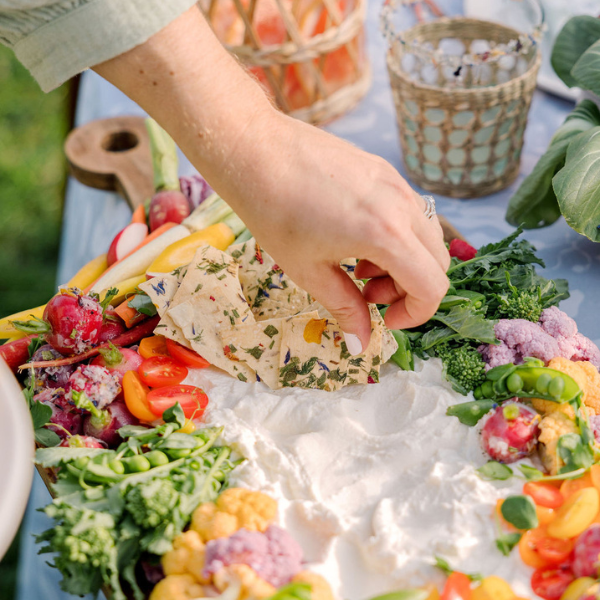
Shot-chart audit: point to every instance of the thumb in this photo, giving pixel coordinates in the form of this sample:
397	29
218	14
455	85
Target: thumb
338	293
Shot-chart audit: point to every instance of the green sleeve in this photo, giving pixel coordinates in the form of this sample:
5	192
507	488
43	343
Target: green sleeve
56	39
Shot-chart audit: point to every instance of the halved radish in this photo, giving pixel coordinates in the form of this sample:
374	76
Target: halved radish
168	206
125	241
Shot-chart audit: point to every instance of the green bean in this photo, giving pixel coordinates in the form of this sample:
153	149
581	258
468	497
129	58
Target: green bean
157	458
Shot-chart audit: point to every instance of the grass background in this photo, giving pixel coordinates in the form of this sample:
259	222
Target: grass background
33	126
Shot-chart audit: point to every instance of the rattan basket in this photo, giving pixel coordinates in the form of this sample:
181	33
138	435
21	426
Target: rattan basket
461	142
308	54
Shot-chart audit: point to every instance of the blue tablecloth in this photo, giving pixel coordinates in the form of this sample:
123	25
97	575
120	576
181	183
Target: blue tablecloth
93	217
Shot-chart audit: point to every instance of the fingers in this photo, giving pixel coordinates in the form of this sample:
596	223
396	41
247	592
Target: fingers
334	289
383	290
431	234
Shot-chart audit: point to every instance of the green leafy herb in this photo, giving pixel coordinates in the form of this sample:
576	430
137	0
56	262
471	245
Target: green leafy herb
495	471
410	594
255	352
81	400
112	355
34	345
507	541
531	473
403	357
110	294
143	304
574	453
271	331
520	512
444	566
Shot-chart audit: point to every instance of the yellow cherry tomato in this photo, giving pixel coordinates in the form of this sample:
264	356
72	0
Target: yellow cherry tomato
577	588
136	392
576	514
493	588
189	427
570	486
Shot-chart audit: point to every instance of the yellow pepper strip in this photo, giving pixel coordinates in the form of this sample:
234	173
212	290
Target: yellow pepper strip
89	273
182	252
576	514
7	331
578	588
128	286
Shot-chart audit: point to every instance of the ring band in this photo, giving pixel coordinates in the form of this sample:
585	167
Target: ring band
430	206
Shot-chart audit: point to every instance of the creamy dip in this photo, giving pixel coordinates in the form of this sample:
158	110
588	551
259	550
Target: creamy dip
372	480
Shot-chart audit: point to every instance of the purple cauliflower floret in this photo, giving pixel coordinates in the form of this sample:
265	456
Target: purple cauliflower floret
195	189
274	555
53	377
595	425
68	418
555	335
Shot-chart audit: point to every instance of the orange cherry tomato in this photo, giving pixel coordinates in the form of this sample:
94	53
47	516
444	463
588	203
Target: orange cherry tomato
153	346
595	475
505	524
458	587
570	486
543	494
528	547
551	583
553	550
135	393
193	400
545	515
160	371
186	356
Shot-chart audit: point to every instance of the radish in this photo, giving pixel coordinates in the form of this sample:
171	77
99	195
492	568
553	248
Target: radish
82	441
106	427
64	415
510	432
587	552
168	206
15	353
125	241
118	360
112	325
127	339
99	386
52	377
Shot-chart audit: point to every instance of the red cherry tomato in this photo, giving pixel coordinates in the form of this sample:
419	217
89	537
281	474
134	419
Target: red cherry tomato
553	550
543	494
158	371
458	587
186	356
193	400
550	583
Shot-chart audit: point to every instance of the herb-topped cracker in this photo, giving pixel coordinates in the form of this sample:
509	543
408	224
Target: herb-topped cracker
269	291
314	355
161	290
200	320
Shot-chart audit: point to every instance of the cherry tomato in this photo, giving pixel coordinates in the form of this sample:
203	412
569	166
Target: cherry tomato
159	371
136	393
186	356
153	346
550	583
193	400
554	551
570	486
458	587
543	494
528	547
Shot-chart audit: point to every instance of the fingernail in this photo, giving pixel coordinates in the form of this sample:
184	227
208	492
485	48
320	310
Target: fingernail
353	343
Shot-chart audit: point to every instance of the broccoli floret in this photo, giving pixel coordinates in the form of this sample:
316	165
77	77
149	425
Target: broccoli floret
464	367
521	304
84	542
151	503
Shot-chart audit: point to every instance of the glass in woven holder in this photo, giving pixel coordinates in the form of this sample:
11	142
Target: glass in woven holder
461	133
309	55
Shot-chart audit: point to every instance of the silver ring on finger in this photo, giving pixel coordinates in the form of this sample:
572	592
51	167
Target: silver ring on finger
429	211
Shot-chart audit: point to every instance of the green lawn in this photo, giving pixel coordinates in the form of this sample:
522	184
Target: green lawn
33	126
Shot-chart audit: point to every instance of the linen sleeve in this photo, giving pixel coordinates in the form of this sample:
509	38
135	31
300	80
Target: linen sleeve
56	39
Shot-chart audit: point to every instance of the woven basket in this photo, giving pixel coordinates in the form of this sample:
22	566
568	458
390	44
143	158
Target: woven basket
308	54
462	143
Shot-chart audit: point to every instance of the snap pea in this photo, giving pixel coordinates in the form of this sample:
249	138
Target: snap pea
556	387
176	453
81	462
136	464
117	466
156	458
514	383
542	383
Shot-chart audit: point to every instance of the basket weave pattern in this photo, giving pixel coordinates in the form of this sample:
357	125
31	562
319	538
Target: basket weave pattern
308	54
461	143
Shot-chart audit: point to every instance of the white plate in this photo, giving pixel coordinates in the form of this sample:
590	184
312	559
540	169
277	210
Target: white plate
16	449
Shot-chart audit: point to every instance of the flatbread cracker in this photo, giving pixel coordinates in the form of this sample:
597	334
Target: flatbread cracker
161	290
167	327
268	290
201	318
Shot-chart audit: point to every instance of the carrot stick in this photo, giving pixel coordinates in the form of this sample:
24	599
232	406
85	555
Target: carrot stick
128	314
139	215
152	236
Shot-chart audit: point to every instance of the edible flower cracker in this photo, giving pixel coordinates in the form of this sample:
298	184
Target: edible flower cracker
161	290
268	290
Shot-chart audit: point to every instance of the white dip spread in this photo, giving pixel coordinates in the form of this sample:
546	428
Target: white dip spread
372	480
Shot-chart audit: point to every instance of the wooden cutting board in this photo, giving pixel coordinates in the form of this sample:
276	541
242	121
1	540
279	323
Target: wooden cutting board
114	155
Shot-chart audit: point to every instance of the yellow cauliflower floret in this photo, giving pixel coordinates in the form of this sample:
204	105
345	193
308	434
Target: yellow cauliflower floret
552	427
187	556
235	508
253	587
320	589
591	396
177	587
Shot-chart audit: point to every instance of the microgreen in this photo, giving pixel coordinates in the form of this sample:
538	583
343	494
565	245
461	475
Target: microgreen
507	541
495	471
520	512
143	304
